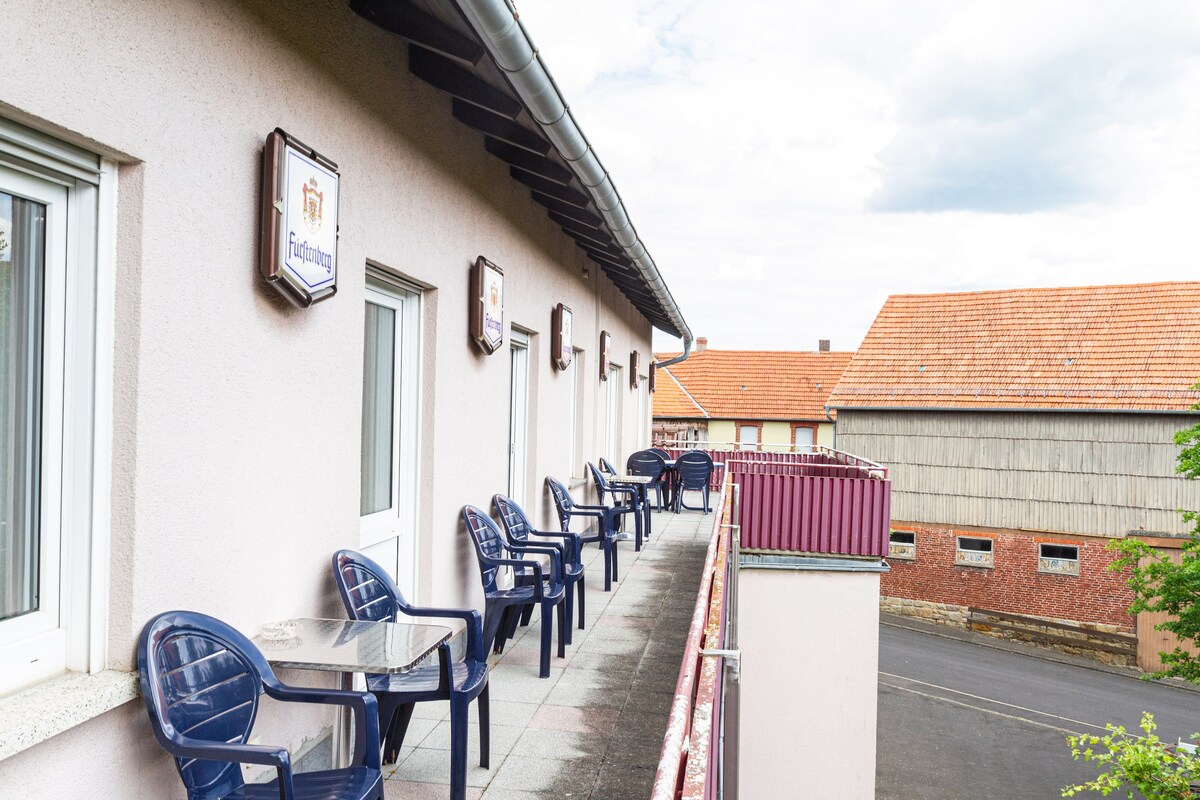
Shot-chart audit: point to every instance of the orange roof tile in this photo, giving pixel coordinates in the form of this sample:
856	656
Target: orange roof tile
752	384
670	400
1134	347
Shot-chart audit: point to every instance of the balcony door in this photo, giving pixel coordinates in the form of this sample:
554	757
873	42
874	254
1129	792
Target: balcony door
518	417
612	415
391	375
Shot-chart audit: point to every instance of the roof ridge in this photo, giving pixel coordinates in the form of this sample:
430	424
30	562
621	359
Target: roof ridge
688	394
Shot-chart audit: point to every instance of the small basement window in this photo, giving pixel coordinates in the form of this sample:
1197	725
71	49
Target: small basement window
973	551
1058	559
903	545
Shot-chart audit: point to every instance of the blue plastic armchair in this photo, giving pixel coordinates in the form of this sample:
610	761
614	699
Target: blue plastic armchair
201	682
501	604
518	529
606	467
605	533
649	464
625	500
369	593
695	468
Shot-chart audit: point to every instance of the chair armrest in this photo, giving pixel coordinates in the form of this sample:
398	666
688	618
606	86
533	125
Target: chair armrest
574	549
266	755
520	562
555	553
469	615
366	715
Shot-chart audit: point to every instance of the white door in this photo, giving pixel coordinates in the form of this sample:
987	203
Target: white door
612	415
391	374
643	393
748	437
804	440
518	417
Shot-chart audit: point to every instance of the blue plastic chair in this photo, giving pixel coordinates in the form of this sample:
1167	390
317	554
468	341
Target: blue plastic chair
625	500
649	464
369	593
607	467
694	468
606	526
518	529
660	452
201	682
501	604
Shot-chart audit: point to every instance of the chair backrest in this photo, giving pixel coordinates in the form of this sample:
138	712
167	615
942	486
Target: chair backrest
201	679
695	468
563	502
489	543
513	518
647	464
598	479
367	591
607	467
659	451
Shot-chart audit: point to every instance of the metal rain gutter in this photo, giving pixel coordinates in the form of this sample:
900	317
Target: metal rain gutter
499	27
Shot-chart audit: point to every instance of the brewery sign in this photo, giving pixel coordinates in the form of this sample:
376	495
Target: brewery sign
605	343
298	249
487	305
561	345
635	369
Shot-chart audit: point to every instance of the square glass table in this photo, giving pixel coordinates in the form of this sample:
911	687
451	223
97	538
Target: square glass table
348	646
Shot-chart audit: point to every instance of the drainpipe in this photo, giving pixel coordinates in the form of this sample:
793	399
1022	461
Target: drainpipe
499	27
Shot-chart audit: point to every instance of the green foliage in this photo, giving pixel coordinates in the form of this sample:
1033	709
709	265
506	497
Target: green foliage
1158	584
3	245
1142	763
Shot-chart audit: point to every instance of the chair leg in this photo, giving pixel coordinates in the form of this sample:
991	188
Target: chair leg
564	628
569	604
615	574
458	747
526	615
485	728
396	728
509	629
608	566
582	595
492	617
547	630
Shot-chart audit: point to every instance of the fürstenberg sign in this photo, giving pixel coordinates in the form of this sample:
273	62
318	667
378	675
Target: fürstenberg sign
298	255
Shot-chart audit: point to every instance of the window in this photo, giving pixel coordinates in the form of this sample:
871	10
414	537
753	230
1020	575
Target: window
612	415
56	208
518	416
576	422
973	552
391	374
747	436
902	545
803	438
643	410
1058	559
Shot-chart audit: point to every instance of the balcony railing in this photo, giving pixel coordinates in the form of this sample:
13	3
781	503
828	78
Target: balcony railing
693	759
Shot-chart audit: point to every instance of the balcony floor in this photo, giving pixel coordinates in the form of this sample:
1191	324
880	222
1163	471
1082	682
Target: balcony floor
594	728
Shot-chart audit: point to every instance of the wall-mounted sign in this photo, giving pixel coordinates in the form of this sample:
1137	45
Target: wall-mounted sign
605	341
298	250
635	369
562	348
487	305
653	375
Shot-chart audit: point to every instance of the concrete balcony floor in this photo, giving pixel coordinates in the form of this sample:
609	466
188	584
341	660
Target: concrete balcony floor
594	728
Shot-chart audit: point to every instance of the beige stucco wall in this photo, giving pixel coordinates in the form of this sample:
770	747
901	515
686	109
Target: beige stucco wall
825	435
238	417
808	687
721	430
778	434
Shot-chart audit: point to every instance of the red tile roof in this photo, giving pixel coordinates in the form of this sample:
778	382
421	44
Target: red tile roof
1134	347
750	384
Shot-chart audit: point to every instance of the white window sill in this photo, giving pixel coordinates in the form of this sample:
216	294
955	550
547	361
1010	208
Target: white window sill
575	483
33	715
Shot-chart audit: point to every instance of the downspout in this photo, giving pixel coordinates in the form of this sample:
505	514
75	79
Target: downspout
499	27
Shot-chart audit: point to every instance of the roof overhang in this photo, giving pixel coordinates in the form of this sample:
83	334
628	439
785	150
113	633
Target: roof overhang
478	53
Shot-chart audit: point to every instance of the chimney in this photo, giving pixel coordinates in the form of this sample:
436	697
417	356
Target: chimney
701	344
823	346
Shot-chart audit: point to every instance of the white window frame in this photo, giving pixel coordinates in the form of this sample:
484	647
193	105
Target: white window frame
402	513
576	403
745	445
612	414
902	550
77	423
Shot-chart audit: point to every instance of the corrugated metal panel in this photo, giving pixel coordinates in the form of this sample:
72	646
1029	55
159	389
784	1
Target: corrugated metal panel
1102	474
812	514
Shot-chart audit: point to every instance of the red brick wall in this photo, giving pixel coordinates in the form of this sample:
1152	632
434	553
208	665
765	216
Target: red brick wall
1013	584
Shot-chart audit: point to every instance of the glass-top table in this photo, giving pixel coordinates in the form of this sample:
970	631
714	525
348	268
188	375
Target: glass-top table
339	645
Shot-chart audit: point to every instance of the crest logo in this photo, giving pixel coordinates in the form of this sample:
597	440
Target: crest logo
312	203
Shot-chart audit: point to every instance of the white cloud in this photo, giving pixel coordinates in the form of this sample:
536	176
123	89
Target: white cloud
1015	144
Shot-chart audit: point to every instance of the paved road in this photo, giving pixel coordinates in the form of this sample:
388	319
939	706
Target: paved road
960	721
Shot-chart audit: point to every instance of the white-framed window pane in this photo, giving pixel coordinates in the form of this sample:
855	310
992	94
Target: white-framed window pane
748	437
22	270
379	381
804	440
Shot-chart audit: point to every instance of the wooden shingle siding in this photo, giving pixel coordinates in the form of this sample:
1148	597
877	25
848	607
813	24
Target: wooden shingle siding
1101	474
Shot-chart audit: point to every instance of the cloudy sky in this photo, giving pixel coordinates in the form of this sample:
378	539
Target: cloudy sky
791	163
